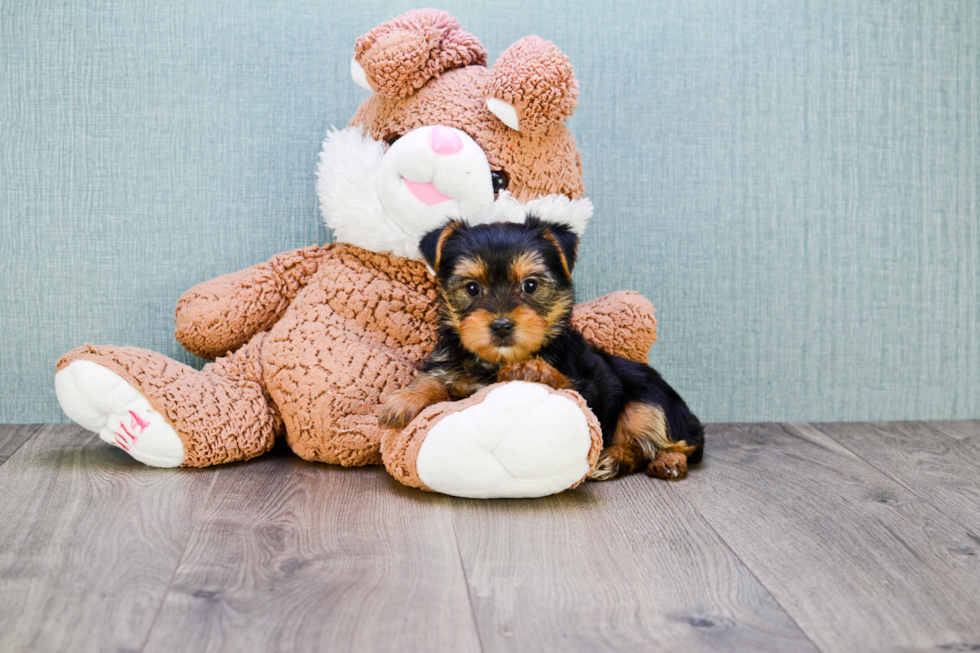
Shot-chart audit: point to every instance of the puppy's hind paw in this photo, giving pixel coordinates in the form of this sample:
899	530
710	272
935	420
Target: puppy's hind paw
668	465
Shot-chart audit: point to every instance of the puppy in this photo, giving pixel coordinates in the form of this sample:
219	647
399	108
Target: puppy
507	300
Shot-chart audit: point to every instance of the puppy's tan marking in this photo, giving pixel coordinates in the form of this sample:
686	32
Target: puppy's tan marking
471	268
525	265
451	316
474	333
644	424
561	253
617	460
530	331
447	231
560	307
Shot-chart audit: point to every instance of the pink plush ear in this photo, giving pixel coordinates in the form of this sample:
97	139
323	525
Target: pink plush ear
532	86
398	57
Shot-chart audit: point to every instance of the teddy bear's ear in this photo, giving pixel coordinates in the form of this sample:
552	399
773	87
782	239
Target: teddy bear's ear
532	86
398	57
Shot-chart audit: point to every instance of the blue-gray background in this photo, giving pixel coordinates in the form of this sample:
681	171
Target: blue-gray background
793	184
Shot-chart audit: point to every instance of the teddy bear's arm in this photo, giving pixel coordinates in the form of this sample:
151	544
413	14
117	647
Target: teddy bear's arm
621	323
220	315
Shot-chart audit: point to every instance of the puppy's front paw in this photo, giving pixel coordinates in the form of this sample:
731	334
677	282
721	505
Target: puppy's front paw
403	406
399	410
533	370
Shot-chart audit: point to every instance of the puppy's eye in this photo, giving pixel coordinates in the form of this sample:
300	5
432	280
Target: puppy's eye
472	289
529	286
500	180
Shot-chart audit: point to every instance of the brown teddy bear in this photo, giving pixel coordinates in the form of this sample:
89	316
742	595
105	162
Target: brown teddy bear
312	341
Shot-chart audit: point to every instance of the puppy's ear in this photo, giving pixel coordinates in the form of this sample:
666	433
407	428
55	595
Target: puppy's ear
432	243
565	240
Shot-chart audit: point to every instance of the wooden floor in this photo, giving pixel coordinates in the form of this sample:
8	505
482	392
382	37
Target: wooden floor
789	537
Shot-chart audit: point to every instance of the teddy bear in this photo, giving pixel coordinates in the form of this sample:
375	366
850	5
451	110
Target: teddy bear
309	344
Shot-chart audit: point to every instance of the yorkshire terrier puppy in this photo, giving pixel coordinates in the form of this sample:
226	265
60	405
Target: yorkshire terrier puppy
507	300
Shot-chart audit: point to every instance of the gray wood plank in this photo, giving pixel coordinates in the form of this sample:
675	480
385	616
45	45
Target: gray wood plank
13	436
89	541
939	463
965	433
626	565
857	560
968	428
296	556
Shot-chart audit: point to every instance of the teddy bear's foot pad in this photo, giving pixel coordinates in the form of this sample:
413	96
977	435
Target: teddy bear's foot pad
100	400
522	440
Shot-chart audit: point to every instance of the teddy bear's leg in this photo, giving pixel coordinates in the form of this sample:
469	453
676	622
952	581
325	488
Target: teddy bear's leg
330	389
166	414
513	439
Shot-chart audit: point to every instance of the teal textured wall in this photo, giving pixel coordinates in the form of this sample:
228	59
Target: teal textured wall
793	184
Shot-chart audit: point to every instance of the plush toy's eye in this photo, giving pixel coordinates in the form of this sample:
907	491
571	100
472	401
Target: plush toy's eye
472	289
391	138
500	180
529	286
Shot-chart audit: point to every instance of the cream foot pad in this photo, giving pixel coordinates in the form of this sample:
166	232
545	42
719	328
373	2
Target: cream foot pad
99	400
522	440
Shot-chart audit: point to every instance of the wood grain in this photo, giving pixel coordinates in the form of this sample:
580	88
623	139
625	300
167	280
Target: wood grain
625	565
850	537
961	428
297	556
938	462
858	561
88	543
13	436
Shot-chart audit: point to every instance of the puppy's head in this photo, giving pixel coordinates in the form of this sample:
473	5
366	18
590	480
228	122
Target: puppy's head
506	288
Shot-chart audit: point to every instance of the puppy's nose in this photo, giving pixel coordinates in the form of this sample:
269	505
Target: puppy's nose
444	141
502	327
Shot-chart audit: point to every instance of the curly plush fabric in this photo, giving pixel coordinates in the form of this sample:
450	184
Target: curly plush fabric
356	333
400	56
601	322
537	165
535	78
220	315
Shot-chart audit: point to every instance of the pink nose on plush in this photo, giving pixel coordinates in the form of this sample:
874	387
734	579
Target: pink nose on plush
444	141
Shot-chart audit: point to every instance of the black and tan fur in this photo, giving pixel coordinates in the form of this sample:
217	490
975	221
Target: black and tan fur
507	300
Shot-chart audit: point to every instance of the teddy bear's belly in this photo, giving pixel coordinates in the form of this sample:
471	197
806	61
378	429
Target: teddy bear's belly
336	353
